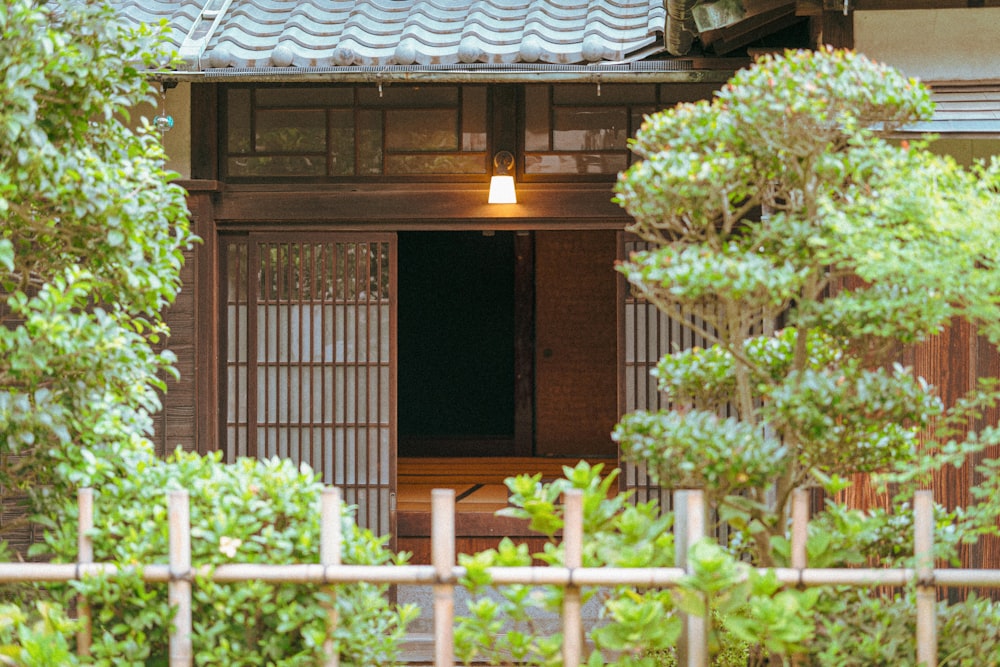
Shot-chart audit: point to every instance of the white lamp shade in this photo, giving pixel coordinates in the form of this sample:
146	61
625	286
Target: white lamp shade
502	190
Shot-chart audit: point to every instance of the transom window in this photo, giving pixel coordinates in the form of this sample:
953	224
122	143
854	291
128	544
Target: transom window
353	131
565	132
584	129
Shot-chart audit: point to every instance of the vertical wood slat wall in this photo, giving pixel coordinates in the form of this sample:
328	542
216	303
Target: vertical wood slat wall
310	336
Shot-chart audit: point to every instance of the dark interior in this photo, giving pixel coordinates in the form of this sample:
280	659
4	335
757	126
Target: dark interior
456	344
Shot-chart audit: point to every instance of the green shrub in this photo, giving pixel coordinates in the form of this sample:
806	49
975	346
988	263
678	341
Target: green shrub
616	534
864	630
40	639
247	512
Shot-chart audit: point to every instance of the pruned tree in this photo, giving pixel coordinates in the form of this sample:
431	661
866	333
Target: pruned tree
783	201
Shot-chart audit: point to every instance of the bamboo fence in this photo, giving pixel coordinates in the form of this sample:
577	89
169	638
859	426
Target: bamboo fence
443	575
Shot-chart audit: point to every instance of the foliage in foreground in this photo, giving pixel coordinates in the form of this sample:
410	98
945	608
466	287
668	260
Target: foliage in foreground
805	251
755	620
38	639
91	248
812	251
248	512
91	243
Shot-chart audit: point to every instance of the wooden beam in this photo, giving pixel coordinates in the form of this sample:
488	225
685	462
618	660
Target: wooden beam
524	344
877	5
583	206
749	30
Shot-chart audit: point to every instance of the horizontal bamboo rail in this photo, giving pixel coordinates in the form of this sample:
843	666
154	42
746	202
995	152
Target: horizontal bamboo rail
444	575
423	575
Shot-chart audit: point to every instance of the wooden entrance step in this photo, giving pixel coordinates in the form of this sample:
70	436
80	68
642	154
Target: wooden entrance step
478	481
479	493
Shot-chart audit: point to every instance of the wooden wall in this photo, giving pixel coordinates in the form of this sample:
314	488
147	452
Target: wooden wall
952	361
175	424
188	418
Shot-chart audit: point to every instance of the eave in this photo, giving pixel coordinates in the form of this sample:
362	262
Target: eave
699	70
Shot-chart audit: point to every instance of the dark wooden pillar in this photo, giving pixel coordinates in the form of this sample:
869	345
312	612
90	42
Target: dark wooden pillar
829	24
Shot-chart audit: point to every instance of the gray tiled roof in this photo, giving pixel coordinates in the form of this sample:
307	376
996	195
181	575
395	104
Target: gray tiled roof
332	33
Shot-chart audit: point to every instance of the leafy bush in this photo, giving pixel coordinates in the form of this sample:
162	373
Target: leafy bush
860	630
616	534
247	512
40	639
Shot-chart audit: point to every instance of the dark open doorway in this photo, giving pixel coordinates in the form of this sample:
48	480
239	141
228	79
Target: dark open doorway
456	344
507	344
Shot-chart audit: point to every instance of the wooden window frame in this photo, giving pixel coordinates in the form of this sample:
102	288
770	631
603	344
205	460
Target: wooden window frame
356	107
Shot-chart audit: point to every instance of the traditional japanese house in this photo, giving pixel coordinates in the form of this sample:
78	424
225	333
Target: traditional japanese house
357	303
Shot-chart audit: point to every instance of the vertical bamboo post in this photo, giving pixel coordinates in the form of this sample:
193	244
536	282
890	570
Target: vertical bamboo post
573	558
689	527
329	556
800	528
923	551
800	535
443	560
179	588
84	554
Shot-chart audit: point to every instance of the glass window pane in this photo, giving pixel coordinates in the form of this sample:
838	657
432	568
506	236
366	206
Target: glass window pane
421	130
278	165
291	131
672	93
341	143
575	163
396	96
610	93
239	120
590	129
305	97
536	118
459	163
369	142
474	118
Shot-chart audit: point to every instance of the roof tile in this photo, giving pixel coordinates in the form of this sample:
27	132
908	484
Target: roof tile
330	33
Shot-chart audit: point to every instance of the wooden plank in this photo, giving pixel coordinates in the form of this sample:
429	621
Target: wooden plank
836	29
475	498
423	206
483	469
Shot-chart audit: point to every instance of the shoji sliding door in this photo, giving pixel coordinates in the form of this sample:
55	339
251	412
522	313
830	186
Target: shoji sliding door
310	368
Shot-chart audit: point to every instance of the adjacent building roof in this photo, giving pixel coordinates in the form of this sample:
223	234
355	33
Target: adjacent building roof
212	34
963	109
